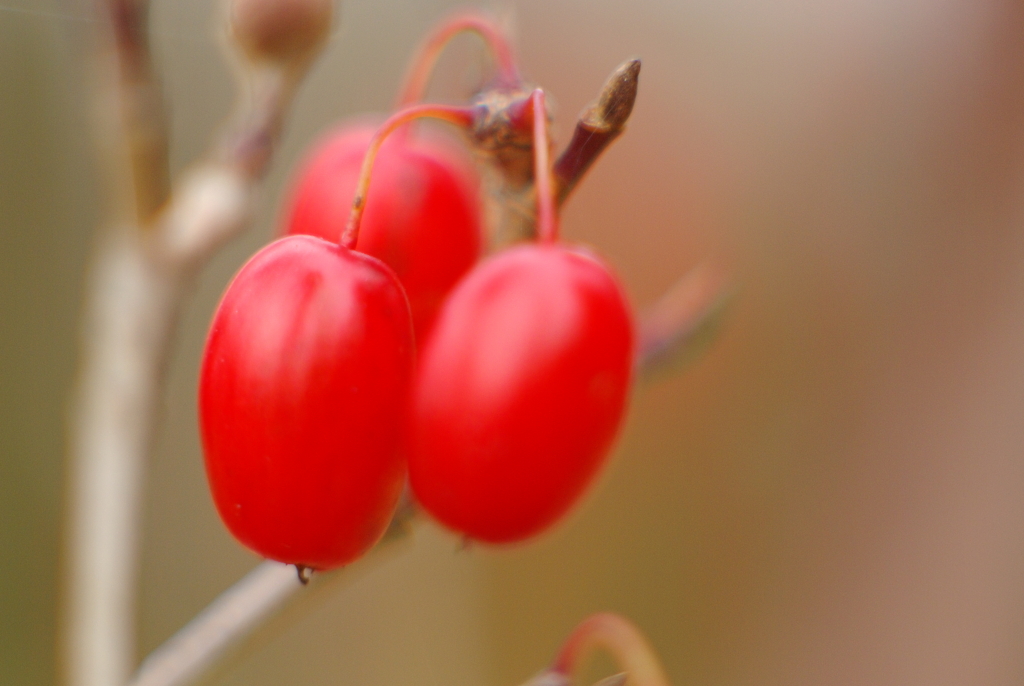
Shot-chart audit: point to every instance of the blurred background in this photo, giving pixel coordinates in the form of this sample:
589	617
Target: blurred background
833	494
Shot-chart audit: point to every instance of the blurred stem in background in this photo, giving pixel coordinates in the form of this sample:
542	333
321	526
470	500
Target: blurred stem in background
153	244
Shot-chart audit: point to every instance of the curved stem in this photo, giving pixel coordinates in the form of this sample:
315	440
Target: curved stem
622	639
460	116
547	218
426	59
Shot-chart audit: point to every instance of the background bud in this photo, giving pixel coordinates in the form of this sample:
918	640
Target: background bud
280	30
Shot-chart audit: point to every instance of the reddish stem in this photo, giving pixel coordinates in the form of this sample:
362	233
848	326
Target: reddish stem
426	59
547	217
460	116
622	639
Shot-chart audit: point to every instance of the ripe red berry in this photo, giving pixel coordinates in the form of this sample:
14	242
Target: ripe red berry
519	391
305	372
422	213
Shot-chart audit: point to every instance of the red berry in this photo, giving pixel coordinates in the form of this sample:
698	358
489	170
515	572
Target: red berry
519	392
422	213
306	370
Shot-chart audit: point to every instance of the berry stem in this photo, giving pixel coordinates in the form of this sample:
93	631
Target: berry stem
547	217
422	66
622	639
460	116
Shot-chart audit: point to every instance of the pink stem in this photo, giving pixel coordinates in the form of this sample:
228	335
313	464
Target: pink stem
460	116
622	639
547	218
423	64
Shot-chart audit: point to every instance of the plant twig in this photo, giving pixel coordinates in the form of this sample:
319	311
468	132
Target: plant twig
599	124
141	107
238	614
143	266
131	310
225	622
677	327
503	135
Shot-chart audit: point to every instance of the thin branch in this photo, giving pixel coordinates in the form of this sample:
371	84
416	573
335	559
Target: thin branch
142	268
226	622
213	201
248	142
619	637
683	321
503	133
547	215
238	614
132	305
142	112
600	124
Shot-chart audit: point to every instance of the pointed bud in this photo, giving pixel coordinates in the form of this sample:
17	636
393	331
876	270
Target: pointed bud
599	124
615	103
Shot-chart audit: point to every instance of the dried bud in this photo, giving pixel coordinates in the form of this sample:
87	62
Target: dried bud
599	124
280	30
615	104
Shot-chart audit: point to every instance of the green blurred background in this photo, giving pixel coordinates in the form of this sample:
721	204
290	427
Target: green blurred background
833	494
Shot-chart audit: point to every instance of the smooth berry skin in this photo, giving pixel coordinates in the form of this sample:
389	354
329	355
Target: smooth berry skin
519	392
306	370
422	214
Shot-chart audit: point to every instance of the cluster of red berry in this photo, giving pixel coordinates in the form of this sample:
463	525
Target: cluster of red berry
367	346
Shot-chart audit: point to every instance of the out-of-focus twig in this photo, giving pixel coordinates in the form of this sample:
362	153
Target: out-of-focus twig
683	321
154	242
141	111
224	623
237	615
622	639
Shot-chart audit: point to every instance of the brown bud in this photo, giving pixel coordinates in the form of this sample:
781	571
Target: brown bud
599	124
280	30
615	103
